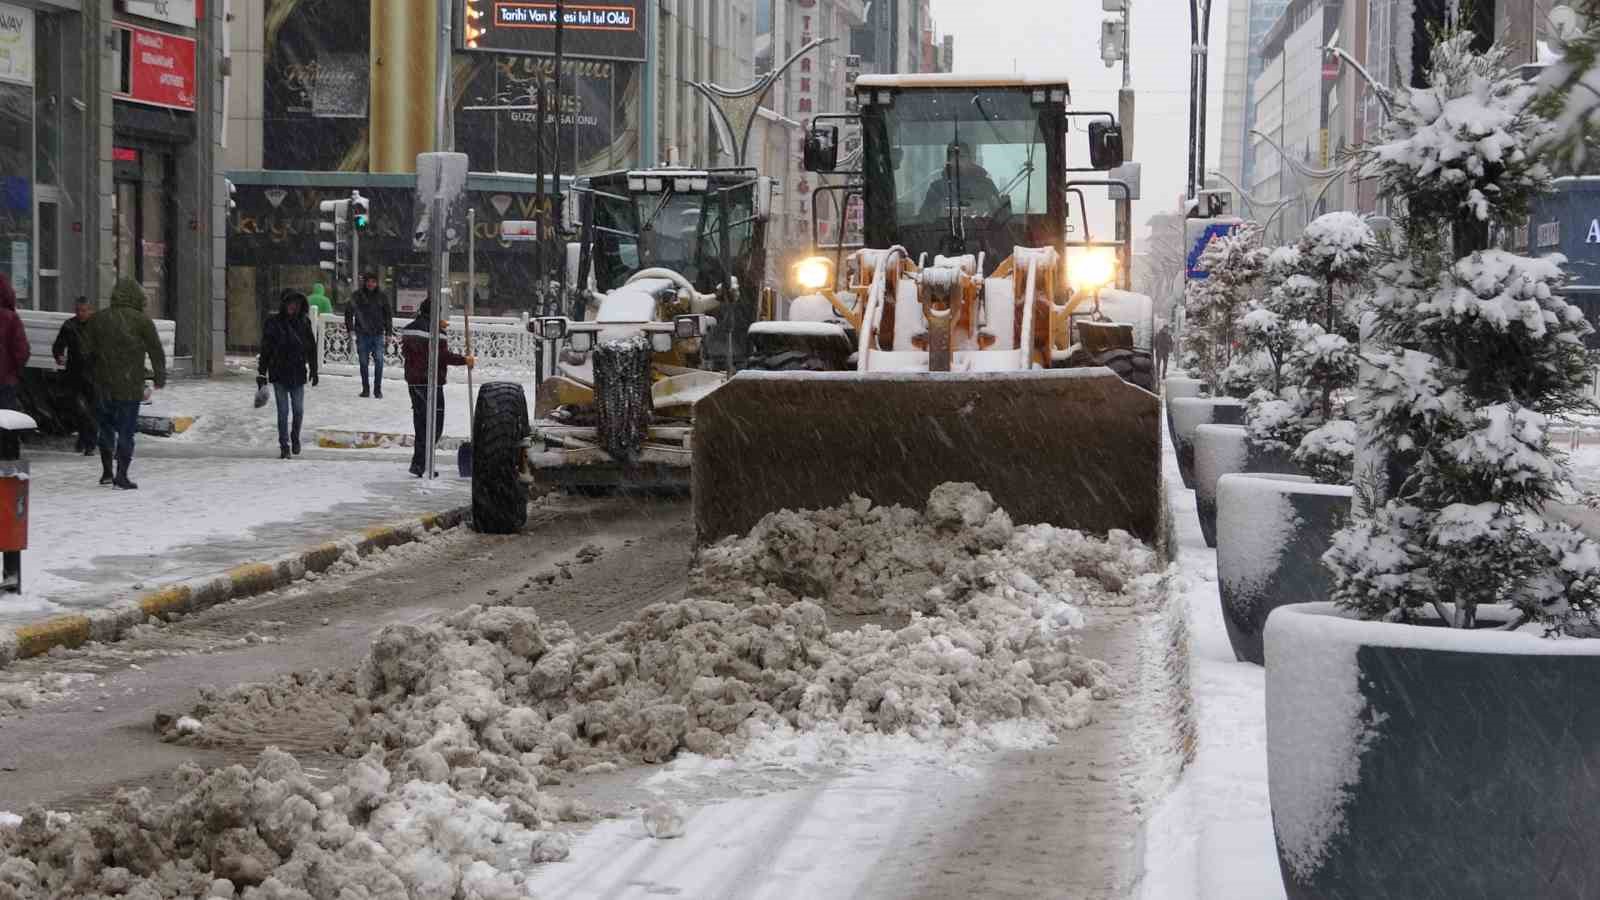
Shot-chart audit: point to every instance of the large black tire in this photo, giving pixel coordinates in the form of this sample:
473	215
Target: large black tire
1136	367
790	361
500	423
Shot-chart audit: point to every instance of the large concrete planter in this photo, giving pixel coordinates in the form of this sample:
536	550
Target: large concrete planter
1176	388
1218	450
1221	450
1272	530
1187	414
1418	763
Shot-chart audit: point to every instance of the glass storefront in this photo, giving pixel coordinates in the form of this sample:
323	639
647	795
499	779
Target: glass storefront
16	149
30	156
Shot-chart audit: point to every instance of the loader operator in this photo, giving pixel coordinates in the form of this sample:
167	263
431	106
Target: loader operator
978	191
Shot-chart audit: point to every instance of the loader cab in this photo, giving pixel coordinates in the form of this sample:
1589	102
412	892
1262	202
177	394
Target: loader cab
957	164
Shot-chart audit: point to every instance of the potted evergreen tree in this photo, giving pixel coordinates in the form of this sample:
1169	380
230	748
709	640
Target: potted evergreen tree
1296	421
1234	264
1432	731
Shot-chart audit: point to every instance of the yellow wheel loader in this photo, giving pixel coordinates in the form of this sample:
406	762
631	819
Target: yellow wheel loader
669	266
965	341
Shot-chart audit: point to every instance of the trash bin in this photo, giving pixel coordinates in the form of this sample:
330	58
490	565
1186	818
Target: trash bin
13	497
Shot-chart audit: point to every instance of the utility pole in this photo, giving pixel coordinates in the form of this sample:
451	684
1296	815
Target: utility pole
1114	42
556	232
438	252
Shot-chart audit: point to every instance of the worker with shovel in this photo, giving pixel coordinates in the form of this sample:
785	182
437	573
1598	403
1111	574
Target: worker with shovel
414	348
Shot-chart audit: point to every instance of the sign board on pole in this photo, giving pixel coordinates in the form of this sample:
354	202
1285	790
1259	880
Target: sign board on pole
1200	233
444	174
595	29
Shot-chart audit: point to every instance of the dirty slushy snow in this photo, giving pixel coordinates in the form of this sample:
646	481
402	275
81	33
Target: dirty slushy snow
454	728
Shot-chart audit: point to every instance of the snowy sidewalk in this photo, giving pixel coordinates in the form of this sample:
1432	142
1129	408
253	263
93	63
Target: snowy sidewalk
224	414
196	515
1211	838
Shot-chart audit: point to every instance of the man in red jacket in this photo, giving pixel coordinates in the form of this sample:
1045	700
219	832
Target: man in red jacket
14	350
414	349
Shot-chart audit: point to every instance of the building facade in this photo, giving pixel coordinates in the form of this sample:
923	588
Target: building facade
109	135
1247	24
1292	103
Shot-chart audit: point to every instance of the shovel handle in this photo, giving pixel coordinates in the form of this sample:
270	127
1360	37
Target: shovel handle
466	322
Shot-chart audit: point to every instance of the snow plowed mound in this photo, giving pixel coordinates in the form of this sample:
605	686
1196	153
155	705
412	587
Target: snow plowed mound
460	723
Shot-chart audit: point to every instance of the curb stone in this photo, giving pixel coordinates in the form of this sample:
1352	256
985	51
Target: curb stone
195	594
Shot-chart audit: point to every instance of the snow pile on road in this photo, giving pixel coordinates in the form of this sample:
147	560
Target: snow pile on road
454	727
270	834
858	558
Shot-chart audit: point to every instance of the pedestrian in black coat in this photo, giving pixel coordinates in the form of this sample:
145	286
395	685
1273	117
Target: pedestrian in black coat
77	373
288	361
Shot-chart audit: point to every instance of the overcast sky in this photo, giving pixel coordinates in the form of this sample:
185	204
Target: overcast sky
1063	37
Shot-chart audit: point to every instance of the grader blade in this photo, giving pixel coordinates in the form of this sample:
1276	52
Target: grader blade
1077	448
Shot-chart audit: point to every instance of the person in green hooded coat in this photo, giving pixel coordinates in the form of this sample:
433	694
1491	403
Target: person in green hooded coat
118	340
318	300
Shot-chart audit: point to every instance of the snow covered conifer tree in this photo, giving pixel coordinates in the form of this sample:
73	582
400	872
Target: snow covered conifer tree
1234	264
1481	354
1304	329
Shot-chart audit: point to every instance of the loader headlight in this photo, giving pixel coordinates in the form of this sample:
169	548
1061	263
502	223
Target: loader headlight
813	273
1092	268
686	327
661	341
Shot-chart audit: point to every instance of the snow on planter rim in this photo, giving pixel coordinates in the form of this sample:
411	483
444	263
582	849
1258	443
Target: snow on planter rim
1226	450
1189	413
1254	512
1315	728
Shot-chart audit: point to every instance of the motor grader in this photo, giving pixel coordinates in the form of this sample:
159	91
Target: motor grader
962	340
668	267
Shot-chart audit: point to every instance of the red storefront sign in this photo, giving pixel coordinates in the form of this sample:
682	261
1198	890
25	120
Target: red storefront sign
158	69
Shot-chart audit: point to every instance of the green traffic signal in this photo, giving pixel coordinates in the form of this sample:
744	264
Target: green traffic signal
361	221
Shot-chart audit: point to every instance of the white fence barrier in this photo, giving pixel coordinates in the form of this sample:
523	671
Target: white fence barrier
501	343
42	328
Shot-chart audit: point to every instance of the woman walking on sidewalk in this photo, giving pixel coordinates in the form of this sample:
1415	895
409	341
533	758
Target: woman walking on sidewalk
118	340
288	359
414	349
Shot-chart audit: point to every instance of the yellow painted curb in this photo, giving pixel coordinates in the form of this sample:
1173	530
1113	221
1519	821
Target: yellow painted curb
322	556
180	424
61	631
252	578
166	601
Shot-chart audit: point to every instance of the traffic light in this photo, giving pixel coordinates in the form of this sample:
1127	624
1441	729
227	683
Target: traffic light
335	224
358	211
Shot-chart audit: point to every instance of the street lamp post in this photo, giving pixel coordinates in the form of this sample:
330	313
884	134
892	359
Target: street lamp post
1199	37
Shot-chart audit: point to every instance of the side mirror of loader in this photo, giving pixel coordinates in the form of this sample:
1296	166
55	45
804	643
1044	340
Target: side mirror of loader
822	149
1105	145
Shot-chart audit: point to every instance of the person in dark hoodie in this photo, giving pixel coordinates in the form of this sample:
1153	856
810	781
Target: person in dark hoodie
76	375
14	349
288	361
367	317
118	340
414	349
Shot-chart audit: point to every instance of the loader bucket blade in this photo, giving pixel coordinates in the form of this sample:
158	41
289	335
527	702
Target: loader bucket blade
1078	448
